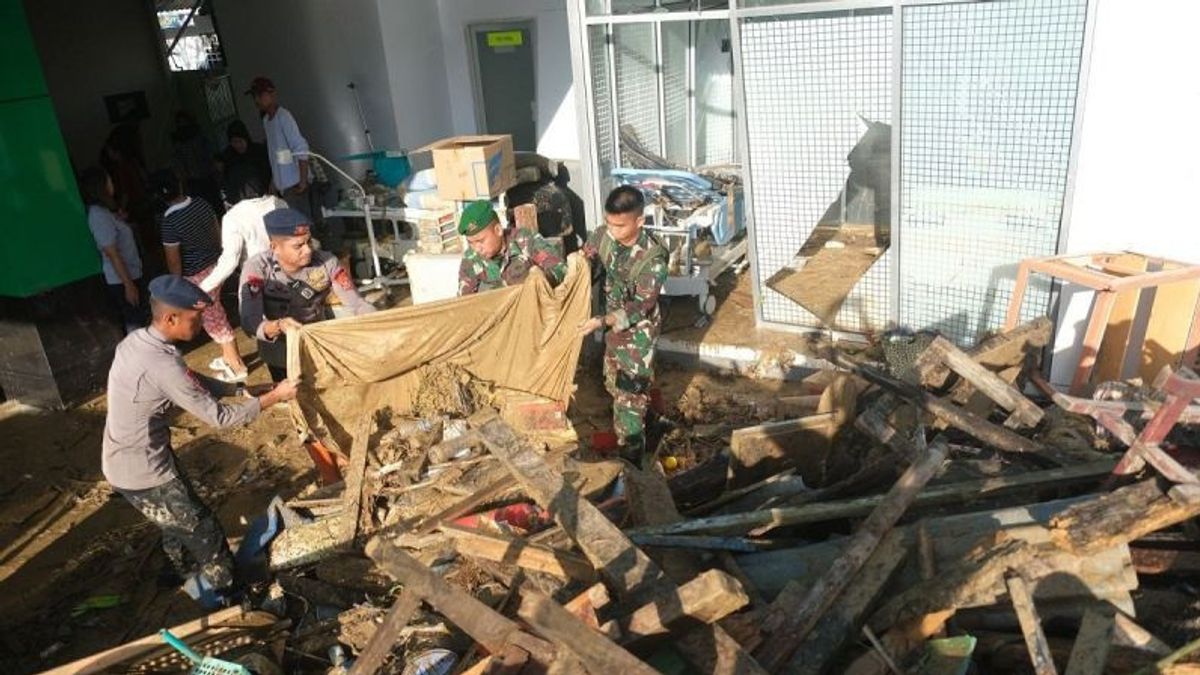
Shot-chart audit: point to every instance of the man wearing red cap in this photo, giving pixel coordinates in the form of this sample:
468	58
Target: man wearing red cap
286	146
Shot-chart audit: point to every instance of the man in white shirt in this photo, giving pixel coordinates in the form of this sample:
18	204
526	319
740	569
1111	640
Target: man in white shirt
286	146
243	234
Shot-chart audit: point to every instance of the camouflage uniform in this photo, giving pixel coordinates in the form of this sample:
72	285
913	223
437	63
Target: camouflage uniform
633	278
510	267
188	526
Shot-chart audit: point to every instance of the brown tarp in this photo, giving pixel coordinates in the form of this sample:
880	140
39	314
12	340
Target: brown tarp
521	338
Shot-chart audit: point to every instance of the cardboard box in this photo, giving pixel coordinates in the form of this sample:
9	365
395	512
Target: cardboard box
473	167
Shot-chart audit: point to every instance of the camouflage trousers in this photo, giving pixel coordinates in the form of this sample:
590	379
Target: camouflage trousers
628	373
188	526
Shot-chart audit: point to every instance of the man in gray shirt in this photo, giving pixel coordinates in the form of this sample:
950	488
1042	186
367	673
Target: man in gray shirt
147	379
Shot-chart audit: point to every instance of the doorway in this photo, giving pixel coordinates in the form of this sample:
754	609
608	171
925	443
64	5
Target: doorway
505	88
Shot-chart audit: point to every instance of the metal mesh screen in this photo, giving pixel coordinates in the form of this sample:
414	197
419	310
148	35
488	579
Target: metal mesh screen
988	109
807	79
602	99
637	81
714	94
676	97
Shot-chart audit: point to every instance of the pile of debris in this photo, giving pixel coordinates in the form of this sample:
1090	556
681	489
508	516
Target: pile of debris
923	515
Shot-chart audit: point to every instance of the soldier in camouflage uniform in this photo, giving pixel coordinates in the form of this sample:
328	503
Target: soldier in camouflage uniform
496	257
635	268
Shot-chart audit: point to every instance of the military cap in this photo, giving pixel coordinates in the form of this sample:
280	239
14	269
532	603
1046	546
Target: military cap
286	223
475	217
177	292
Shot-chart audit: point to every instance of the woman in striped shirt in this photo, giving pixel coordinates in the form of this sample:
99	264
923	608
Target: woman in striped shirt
191	236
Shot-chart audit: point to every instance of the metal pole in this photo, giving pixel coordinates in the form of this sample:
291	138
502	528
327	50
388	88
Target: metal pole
366	212
186	22
362	116
693	29
895	226
662	93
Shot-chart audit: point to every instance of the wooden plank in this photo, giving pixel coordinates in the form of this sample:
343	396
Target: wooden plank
1090	652
512	551
465	505
632	574
352	496
997	352
994	435
650	503
820	280
840	625
853	508
708	598
489	628
1119	517
370	661
1092	337
1031	626
1153	561
796	625
700	542
987	382
763	450
1024	268
1169	328
585	605
1127	633
597	653
102	661
609	550
509	662
1110	363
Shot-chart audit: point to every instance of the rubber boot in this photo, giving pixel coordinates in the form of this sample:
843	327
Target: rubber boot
325	461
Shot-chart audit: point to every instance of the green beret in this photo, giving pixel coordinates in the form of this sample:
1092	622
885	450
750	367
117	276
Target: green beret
475	217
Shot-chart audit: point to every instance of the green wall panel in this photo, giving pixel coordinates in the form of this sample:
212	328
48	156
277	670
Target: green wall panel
20	70
44	238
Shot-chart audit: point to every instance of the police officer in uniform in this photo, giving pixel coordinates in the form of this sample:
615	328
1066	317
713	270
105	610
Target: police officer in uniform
496	257
288	285
147	381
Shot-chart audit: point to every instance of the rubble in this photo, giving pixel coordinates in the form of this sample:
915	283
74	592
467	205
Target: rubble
931	517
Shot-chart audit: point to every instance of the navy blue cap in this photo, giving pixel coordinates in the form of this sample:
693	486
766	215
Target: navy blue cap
286	223
174	290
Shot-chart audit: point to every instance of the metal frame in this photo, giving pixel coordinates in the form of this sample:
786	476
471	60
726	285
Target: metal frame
894	235
734	15
471	31
581	75
690	83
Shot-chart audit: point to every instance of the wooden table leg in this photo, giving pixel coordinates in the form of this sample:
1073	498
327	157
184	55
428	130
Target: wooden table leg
1018	297
1101	309
1191	349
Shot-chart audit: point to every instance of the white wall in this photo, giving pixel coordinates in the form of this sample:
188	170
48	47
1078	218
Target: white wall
412	43
91	50
312	49
557	137
1139	155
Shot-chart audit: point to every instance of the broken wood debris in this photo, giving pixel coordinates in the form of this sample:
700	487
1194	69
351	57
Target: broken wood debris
894	519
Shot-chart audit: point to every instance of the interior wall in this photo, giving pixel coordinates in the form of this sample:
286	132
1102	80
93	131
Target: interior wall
412	44
1137	172
557	137
91	50
312	49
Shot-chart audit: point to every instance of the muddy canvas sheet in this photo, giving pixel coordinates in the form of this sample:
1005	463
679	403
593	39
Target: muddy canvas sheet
521	338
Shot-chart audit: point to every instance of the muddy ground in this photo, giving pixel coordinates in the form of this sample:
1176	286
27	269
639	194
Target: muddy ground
65	537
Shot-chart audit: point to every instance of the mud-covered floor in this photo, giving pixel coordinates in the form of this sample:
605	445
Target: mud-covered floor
66	538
